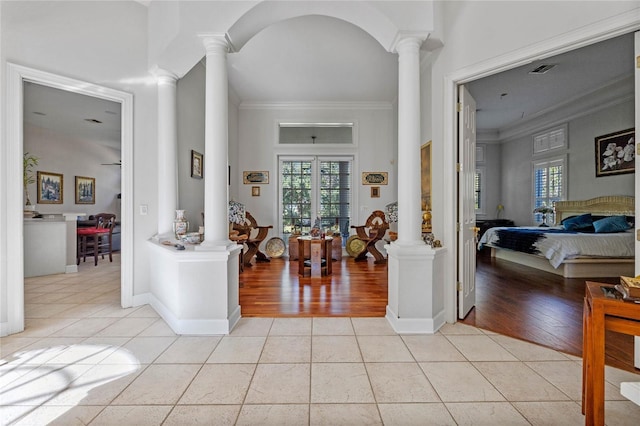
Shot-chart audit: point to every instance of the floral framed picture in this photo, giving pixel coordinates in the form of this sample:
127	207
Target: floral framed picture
50	188
615	153
85	190
197	165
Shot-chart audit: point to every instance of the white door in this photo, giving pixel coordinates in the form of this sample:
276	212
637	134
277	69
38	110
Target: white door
467	230
637	182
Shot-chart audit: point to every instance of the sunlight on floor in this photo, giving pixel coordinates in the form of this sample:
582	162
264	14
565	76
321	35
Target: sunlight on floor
60	377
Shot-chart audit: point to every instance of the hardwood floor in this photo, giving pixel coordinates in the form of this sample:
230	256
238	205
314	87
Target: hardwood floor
539	307
511	299
274	289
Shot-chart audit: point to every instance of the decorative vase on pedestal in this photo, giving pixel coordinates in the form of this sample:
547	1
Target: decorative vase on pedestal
180	224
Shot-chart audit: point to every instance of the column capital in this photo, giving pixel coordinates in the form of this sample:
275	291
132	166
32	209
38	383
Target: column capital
165	77
406	41
216	43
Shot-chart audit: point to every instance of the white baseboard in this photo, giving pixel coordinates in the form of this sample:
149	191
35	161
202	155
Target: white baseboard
415	325
71	269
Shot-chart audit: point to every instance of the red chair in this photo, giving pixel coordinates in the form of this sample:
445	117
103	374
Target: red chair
96	240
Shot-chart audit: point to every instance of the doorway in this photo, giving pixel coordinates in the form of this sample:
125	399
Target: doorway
17	77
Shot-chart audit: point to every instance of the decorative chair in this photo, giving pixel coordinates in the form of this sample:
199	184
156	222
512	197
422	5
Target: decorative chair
370	233
253	243
96	241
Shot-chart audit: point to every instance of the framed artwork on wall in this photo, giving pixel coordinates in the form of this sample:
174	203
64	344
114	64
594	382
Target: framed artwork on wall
50	188
375	178
255	191
615	153
197	165
375	192
255	177
85	190
425	176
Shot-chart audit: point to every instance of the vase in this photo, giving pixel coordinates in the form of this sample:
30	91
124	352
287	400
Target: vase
180	224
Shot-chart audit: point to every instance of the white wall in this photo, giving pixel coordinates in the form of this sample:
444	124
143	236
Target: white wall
375	150
582	182
481	38
54	151
82	40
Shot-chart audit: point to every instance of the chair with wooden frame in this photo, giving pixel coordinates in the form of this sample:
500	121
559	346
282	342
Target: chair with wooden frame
370	233
253	243
101	239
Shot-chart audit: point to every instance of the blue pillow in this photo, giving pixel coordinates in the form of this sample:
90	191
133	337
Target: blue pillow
611	224
578	223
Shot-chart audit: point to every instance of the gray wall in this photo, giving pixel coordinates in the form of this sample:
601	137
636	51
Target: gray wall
516	168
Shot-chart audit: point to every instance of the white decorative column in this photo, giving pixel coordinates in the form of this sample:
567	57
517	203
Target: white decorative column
216	140
409	192
167	153
416	287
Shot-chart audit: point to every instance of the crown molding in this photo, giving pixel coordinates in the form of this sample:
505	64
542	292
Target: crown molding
317	105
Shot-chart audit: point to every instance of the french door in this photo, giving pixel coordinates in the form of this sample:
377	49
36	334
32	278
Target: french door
314	187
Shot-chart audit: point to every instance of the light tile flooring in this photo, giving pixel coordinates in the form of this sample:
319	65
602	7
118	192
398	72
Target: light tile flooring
84	360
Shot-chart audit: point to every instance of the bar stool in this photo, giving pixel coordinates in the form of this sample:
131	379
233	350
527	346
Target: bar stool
101	241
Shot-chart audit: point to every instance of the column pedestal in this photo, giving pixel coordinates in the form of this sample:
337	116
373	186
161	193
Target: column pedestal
416	288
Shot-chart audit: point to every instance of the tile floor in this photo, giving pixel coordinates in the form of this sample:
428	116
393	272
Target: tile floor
84	360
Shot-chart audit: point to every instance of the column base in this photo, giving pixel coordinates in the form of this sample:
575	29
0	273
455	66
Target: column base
416	288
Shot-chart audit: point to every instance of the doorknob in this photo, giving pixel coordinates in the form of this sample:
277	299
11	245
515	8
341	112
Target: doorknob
475	230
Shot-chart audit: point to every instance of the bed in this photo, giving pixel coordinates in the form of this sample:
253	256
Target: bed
571	255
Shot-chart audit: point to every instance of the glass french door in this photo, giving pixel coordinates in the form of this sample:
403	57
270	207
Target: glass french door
315	187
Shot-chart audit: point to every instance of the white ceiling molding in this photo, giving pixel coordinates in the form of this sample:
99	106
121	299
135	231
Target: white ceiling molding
318	105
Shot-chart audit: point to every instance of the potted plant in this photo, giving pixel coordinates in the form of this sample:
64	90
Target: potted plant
28	163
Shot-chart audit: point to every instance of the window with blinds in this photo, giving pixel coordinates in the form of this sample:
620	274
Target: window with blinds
549	184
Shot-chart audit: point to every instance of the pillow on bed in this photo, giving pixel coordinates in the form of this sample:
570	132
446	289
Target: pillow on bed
581	223
611	224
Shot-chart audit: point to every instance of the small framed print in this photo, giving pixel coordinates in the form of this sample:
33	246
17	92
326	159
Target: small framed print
375	178
255	191
255	177
375	192
50	188
85	190
197	165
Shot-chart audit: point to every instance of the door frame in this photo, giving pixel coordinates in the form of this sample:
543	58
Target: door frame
16	76
596	32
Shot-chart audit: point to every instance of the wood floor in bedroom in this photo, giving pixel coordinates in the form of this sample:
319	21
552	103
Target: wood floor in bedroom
539	307
513	300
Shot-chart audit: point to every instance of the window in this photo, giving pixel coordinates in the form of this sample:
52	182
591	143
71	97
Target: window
478	190
550	140
548	183
316	133
312	187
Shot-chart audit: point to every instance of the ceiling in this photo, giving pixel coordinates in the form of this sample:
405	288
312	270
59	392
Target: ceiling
511	97
321	59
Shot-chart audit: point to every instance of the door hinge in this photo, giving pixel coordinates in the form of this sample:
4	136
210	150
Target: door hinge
459	286
459	107
637	61
457	226
458	167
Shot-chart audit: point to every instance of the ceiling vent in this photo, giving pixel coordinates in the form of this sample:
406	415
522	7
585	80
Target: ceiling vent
542	69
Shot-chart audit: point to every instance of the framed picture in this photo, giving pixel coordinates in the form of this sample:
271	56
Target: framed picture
197	165
255	191
375	178
375	192
50	188
255	177
615	153
85	190
425	176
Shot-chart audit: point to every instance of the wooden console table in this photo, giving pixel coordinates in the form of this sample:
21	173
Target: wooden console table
317	248
601	313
